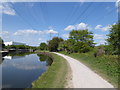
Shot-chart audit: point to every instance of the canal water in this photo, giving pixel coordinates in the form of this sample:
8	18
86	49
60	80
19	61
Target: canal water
20	70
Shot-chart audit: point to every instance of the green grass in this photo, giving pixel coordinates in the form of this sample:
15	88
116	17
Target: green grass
106	66
55	76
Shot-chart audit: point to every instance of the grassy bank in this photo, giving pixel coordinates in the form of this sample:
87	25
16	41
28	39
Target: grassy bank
106	66
55	76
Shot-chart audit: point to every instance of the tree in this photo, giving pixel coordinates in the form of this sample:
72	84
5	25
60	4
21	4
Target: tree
79	41
20	47
81	47
54	43
43	46
2	45
83	36
114	39
67	45
83	40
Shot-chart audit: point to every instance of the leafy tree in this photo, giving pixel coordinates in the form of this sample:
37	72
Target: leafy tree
81	47
43	46
20	47
114	39
79	41
11	47
83	36
54	43
67	45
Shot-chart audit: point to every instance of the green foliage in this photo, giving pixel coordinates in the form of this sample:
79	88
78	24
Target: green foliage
67	45
11	47
54	43
81	47
83	36
1	41
114	39
2	45
43	57
79	41
43	46
106	65
55	76
17	53
20	47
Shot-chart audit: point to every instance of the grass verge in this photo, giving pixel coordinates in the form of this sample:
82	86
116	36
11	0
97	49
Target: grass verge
55	76
106	66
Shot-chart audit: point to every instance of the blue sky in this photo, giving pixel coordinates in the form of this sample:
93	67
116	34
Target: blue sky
34	22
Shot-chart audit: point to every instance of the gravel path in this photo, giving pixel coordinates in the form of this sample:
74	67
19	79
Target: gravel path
83	77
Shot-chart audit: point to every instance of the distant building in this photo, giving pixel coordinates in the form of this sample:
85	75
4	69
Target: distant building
13	57
13	43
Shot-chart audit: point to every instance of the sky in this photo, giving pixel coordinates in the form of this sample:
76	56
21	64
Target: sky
36	22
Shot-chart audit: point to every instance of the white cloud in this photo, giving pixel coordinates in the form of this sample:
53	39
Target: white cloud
99	36
106	28
100	39
100	27
4	33
26	64
51	31
118	5
114	23
27	32
70	27
80	26
32	32
101	42
65	35
40	39
51	27
6	8
32	37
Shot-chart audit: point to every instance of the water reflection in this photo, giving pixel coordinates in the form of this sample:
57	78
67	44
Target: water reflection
19	71
13	57
43	57
18	53
15	54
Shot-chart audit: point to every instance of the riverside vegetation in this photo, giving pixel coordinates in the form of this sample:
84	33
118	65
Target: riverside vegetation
55	76
106	66
103	59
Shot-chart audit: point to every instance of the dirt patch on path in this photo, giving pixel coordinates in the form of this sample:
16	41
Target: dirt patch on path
69	83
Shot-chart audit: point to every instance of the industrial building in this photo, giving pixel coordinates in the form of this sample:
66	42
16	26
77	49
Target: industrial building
13	43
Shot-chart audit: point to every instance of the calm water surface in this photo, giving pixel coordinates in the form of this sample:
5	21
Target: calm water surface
20	71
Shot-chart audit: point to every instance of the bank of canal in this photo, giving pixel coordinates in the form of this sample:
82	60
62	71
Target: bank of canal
57	76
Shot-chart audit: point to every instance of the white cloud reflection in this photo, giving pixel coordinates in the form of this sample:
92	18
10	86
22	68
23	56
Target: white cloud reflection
26	63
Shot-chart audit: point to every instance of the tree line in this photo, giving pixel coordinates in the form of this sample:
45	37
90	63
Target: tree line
2	46
81	41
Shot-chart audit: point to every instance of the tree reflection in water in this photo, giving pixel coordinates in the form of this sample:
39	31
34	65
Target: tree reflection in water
46	58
